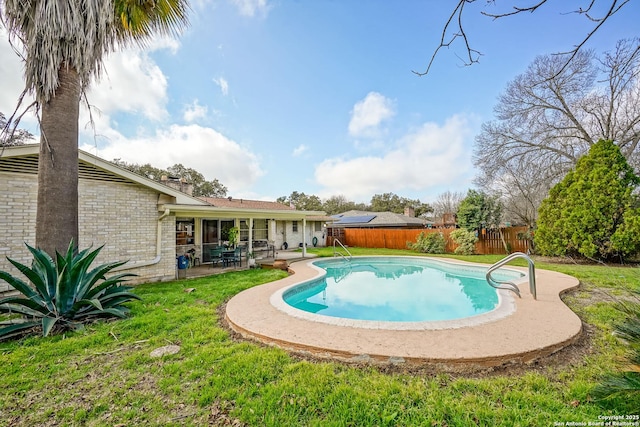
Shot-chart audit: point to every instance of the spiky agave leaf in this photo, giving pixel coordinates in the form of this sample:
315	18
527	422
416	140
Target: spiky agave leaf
47	324
18	284
15	329
113	281
45	268
628	381
617	385
67	293
42	292
90	287
25	306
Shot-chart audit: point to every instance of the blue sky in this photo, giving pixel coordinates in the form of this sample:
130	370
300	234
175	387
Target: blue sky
318	96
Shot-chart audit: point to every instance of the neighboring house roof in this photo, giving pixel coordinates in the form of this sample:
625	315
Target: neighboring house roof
367	219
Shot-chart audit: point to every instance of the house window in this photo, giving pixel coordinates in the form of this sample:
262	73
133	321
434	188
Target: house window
294	226
318	226
184	231
260	229
244	230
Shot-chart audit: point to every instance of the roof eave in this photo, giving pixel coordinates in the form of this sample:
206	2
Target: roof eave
229	212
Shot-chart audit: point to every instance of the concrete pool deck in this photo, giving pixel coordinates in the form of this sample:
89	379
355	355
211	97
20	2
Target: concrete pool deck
534	330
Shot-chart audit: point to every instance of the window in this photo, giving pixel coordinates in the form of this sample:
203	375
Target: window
294	226
244	230
260	231
184	231
318	226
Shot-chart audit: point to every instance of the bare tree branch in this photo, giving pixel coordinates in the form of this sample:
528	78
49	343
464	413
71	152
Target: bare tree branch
473	55
546	120
457	15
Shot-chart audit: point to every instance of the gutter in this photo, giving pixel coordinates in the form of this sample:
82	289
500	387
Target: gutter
156	260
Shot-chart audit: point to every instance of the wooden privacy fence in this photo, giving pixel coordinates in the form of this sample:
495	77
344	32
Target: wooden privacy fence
489	241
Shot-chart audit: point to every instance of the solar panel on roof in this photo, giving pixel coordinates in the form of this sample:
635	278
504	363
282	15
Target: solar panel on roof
362	219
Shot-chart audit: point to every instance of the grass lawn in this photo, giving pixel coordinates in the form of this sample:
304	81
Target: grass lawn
104	375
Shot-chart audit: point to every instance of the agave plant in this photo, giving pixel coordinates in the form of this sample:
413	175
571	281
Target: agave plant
63	293
628	381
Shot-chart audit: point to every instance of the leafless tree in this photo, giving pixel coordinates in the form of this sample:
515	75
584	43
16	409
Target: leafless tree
12	135
551	114
454	29
447	202
521	189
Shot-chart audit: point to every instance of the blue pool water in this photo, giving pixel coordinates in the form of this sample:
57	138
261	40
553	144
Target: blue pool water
397	289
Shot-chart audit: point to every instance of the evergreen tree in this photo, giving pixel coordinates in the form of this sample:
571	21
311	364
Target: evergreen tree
592	212
479	210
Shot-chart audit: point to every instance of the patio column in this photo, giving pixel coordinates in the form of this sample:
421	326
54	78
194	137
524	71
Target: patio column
304	237
250	242
271	233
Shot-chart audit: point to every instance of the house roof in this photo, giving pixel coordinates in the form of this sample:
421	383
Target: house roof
367	219
24	159
229	202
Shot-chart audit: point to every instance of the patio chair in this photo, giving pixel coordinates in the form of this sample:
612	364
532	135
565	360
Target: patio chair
234	257
216	256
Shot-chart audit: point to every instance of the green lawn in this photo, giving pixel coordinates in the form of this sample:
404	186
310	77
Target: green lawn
105	375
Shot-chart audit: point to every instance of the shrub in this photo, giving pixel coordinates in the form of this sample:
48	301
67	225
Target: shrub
592	212
466	241
429	243
65	293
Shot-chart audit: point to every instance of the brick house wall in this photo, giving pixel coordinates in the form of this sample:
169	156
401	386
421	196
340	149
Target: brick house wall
121	216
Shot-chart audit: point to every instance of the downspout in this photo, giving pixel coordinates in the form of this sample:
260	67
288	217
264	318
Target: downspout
129	266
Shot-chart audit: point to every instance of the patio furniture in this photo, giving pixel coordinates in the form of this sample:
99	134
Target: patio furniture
233	256
216	256
264	246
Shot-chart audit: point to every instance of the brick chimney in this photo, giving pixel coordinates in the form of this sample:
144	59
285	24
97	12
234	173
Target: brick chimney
176	183
409	211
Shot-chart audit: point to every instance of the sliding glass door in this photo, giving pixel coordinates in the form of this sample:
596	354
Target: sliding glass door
210	237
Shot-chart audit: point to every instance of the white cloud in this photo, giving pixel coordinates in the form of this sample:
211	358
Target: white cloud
431	156
12	85
224	85
195	111
251	7
201	148
368	114
299	150
132	83
162	42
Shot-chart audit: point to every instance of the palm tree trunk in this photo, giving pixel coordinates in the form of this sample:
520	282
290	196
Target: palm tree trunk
57	210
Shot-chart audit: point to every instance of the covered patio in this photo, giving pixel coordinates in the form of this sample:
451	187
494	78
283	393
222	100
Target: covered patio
264	229
202	270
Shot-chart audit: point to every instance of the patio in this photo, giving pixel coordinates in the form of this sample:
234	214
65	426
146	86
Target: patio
206	269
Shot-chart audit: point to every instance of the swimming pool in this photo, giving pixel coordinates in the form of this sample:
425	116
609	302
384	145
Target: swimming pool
400	292
518	330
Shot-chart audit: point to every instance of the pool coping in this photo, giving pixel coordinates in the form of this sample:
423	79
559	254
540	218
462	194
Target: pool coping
536	328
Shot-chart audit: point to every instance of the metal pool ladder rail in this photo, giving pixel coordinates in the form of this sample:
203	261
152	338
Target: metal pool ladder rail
510	285
336	252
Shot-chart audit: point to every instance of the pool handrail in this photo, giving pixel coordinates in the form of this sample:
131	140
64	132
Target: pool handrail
336	252
510	285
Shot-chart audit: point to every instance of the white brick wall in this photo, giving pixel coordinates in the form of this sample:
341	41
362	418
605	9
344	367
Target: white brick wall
122	217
